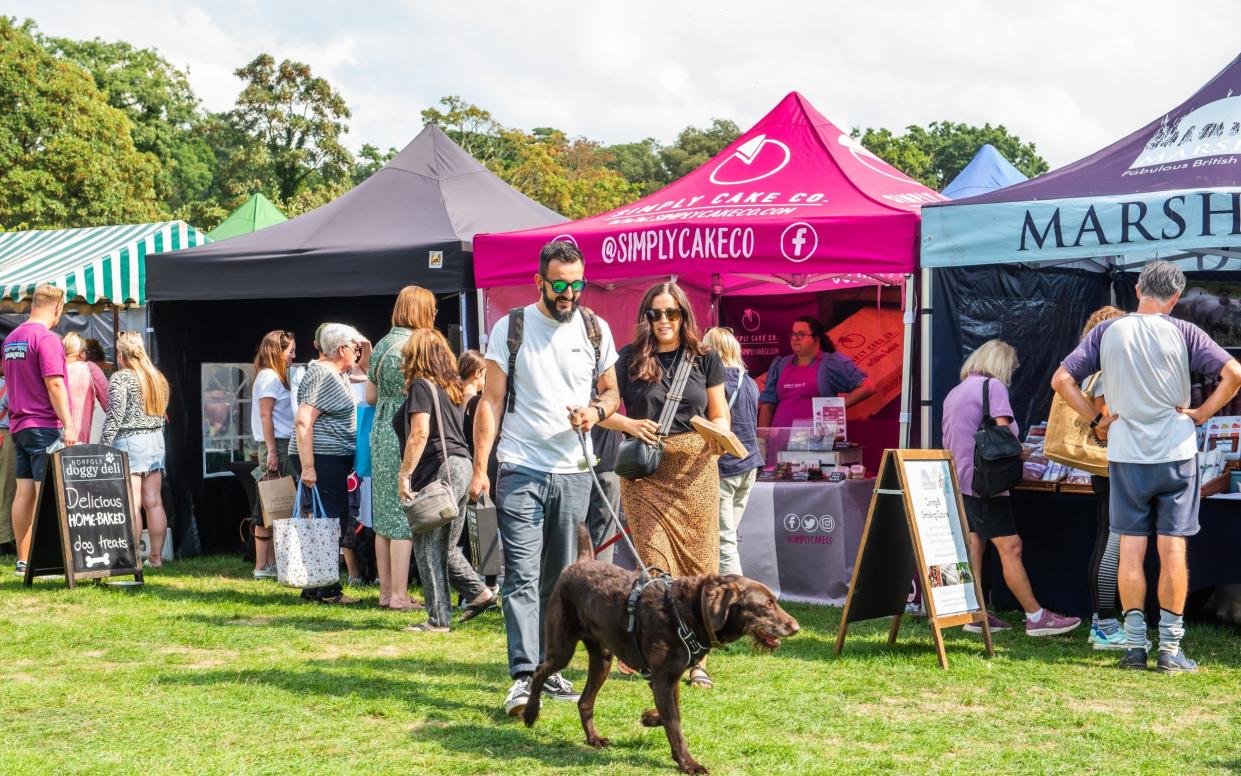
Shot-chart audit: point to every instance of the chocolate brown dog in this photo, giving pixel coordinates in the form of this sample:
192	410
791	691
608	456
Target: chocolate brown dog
589	605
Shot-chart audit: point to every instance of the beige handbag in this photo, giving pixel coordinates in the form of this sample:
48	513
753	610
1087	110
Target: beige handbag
1070	440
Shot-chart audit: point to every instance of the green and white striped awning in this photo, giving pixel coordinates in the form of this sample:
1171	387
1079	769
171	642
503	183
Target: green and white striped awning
96	264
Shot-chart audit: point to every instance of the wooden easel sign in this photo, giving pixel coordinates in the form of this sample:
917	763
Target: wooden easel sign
916	528
84	522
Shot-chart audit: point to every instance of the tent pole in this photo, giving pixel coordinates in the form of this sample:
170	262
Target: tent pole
924	409
482	320
463	315
906	367
116	326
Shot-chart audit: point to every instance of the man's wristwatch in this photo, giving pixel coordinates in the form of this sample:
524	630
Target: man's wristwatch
1094	423
602	413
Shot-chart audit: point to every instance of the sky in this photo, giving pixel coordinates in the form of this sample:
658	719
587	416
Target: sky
1069	76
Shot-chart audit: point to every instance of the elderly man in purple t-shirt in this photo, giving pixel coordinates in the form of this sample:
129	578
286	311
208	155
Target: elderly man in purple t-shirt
1146	359
39	414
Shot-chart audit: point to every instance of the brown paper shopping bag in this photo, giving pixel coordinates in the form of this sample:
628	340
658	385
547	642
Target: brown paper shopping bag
276	499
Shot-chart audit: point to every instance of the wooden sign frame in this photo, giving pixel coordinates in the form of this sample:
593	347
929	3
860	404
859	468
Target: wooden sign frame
50	542
880	584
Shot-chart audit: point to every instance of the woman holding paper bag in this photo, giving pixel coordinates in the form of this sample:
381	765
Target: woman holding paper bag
673	514
271	423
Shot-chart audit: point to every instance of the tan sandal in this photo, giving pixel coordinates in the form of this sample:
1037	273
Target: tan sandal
698	677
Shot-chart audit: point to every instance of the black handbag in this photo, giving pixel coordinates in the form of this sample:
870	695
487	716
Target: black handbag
997	453
636	459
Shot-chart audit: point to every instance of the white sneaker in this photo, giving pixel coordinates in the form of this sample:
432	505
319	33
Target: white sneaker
518	696
267	572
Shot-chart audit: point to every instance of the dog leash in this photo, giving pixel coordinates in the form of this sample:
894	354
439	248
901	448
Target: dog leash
643	572
693	647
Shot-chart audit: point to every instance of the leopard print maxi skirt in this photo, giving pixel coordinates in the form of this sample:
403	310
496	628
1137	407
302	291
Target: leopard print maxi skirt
674	514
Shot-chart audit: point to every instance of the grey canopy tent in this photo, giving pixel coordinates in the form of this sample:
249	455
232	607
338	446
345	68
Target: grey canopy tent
412	222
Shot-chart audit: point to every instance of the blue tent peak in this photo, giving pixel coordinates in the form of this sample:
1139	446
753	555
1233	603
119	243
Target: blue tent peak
987	171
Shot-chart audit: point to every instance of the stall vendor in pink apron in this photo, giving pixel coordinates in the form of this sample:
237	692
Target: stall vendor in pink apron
814	369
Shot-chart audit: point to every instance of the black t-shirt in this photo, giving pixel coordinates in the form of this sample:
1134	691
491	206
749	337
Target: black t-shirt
420	401
645	400
606	444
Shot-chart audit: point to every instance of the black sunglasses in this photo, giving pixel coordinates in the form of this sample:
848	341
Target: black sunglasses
560	286
672	314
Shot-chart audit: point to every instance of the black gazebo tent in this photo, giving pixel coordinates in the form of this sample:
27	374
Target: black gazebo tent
413	221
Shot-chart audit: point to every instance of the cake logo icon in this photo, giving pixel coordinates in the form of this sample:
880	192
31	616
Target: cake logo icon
757	158
1213	129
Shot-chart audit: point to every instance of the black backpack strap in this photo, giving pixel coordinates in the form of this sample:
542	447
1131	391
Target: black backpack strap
595	334
516	328
987	420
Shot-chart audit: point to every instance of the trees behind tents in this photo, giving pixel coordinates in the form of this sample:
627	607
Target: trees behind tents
933	155
67	158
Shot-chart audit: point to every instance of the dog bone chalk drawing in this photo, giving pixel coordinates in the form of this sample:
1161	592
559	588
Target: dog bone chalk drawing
102	560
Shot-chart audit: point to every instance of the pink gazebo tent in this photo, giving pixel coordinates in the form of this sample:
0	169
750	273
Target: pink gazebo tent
793	205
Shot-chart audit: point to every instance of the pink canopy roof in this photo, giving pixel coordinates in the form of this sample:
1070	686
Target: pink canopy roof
793	200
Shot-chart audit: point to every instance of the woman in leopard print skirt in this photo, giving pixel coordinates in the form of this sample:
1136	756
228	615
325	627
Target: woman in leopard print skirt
674	513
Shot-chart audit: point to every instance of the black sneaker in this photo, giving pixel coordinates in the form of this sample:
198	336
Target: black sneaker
1135	659
559	688
1175	664
518	696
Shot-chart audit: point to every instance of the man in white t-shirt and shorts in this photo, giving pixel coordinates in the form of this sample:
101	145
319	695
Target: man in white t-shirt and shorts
564	381
1146	358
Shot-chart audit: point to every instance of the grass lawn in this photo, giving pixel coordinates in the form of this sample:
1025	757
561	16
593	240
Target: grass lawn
207	671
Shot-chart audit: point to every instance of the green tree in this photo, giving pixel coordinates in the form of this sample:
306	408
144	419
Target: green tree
639	163
162	107
369	161
569	176
67	158
935	154
472	128
298	118
695	146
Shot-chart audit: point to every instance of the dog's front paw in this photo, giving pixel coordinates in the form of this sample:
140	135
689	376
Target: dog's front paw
693	766
650	718
598	742
530	714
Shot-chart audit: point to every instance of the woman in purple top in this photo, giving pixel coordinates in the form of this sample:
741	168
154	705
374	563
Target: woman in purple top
991	368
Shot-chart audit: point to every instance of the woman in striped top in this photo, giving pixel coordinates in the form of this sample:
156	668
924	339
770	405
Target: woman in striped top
325	430
137	401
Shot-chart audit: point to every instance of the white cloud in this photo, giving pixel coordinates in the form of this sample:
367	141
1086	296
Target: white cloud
1071	77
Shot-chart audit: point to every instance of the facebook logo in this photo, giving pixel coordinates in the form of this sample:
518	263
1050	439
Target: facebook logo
799	241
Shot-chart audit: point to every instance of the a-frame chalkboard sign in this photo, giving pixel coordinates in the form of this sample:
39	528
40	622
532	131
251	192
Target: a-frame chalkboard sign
916	529
84	523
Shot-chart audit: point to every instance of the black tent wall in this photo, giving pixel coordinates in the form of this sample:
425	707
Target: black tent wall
189	334
1039	312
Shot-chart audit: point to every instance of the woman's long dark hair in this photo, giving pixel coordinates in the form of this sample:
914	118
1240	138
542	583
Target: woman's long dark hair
817	330
643	365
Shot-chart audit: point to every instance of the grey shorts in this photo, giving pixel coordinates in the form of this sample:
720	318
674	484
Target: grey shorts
1150	498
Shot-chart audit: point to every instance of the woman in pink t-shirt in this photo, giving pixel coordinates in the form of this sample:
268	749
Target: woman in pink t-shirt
86	382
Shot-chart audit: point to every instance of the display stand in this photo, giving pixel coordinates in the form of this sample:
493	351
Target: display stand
84	523
915	529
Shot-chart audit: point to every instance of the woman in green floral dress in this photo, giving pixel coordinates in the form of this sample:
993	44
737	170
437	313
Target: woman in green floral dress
415	309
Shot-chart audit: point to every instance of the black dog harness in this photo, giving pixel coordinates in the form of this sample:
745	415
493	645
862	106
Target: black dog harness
694	649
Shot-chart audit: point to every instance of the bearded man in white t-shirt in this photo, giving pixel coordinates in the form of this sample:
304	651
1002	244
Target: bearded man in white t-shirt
563	383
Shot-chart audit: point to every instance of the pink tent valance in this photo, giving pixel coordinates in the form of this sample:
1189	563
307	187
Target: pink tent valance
794	201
